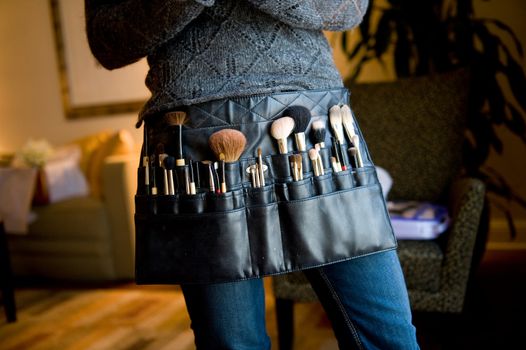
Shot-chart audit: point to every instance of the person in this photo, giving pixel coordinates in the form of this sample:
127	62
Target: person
208	50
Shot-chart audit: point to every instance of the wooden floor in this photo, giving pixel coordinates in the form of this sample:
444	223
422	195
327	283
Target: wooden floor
132	317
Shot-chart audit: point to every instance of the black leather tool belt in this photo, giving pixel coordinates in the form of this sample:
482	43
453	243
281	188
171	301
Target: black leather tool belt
252	231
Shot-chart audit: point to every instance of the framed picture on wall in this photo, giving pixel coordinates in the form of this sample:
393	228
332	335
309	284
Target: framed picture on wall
88	89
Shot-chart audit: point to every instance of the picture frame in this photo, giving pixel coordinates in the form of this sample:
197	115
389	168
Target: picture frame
87	88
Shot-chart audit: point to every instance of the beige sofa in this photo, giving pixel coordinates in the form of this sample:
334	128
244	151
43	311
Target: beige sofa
83	239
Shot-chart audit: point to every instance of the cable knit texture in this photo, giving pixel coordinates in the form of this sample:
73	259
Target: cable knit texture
202	50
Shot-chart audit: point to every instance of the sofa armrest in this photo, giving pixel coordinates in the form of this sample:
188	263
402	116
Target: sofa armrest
118	187
466	200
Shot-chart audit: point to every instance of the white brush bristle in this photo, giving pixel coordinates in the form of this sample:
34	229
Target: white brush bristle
346	114
335	115
318	124
335	118
281	128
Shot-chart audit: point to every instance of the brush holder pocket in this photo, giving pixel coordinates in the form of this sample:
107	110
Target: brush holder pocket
264	233
166	204
343	180
256	229
365	177
260	196
192	248
323	184
192	204
220	202
300	189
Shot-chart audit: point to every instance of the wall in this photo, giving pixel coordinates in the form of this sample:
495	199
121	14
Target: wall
30	101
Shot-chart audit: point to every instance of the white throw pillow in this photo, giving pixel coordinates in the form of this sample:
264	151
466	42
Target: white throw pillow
63	175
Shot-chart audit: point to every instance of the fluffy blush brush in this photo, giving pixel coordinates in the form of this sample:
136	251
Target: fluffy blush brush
280	130
229	142
177	119
302	117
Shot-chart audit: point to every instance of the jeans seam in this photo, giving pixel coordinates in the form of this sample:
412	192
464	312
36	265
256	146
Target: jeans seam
348	321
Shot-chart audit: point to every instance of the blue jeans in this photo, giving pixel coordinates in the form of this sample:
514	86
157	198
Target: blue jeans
365	299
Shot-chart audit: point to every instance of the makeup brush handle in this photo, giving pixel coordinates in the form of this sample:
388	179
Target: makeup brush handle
300	141
166	186
171	187
282	145
315	167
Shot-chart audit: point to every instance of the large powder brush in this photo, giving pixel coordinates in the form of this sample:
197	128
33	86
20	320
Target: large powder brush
228	144
302	117
280	130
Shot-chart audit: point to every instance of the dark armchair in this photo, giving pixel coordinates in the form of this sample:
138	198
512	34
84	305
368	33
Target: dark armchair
414	129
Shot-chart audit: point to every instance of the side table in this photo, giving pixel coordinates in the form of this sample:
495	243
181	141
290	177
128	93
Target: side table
6	278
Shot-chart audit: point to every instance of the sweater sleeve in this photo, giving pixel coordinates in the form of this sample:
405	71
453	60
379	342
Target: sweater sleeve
121	32
335	15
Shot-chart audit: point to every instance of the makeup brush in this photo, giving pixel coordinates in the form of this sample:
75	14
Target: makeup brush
334	164
296	163
192	182
177	119
223	175
302	117
356	142
146	162
336	152
318	132
335	118
154	174
169	165
281	129
211	177
260	168
230	142
315	159
352	154
299	164
348	121
161	156
197	175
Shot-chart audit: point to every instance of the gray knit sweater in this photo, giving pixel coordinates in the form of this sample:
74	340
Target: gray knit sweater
202	50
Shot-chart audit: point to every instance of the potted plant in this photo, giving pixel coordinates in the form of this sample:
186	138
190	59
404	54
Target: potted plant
434	36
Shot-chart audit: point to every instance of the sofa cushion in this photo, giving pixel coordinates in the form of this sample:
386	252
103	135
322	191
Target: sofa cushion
89	145
120	143
75	218
421	262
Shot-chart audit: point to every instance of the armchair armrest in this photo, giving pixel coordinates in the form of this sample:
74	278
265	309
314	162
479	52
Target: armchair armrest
118	188
466	200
